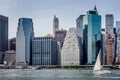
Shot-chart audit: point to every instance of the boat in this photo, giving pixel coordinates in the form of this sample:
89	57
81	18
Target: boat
98	65
98	68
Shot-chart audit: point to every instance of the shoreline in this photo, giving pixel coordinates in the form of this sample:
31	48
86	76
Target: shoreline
58	67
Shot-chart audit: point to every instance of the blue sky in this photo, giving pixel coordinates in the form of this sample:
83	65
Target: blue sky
42	12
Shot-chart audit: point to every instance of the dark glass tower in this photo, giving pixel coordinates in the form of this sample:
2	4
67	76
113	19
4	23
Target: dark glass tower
3	33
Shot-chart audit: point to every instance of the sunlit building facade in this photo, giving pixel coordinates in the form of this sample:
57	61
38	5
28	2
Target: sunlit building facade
70	52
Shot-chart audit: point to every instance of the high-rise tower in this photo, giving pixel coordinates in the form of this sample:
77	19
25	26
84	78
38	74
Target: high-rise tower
110	45
24	40
91	35
3	33
70	52
55	24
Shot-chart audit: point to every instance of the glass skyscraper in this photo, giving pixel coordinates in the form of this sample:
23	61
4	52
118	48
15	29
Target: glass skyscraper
91	35
24	38
3	33
79	25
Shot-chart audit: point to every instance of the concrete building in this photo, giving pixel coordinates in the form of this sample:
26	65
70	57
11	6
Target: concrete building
9	58
3	33
110	39
70	52
55	24
91	36
45	51
24	38
12	44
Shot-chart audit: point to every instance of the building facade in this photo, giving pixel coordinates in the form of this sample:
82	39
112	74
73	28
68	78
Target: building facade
110	39
117	25
103	49
79	25
118	46
45	51
24	38
3	33
55	24
70	52
12	44
9	58
59	36
79	29
91	35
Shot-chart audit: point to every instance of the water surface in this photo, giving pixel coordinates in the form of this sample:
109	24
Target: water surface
58	74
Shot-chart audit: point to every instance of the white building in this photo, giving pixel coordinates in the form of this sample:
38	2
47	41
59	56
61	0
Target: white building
20	45
70	52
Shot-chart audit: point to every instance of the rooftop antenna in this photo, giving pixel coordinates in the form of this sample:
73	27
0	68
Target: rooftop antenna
95	8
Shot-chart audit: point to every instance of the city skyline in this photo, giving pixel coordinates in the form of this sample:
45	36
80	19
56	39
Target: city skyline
42	13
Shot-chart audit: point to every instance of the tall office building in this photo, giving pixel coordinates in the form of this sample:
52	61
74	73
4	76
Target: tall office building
91	35
79	25
103	47
55	24
59	36
45	51
110	38
3	33
79	29
117	25
24	40
70	52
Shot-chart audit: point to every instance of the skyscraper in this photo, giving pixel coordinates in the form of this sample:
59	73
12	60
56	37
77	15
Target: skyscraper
24	40
79	25
79	29
55	24
109	23
110	38
3	33
117	25
44	51
103	47
91	35
70	52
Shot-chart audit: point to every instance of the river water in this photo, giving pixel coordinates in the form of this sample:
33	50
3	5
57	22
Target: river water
58	74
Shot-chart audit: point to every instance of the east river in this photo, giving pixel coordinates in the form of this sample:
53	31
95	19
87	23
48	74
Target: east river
58	74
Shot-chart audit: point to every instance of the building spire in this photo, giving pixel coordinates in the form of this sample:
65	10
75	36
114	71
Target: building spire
95	8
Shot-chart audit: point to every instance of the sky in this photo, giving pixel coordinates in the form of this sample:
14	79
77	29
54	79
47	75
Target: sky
43	11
